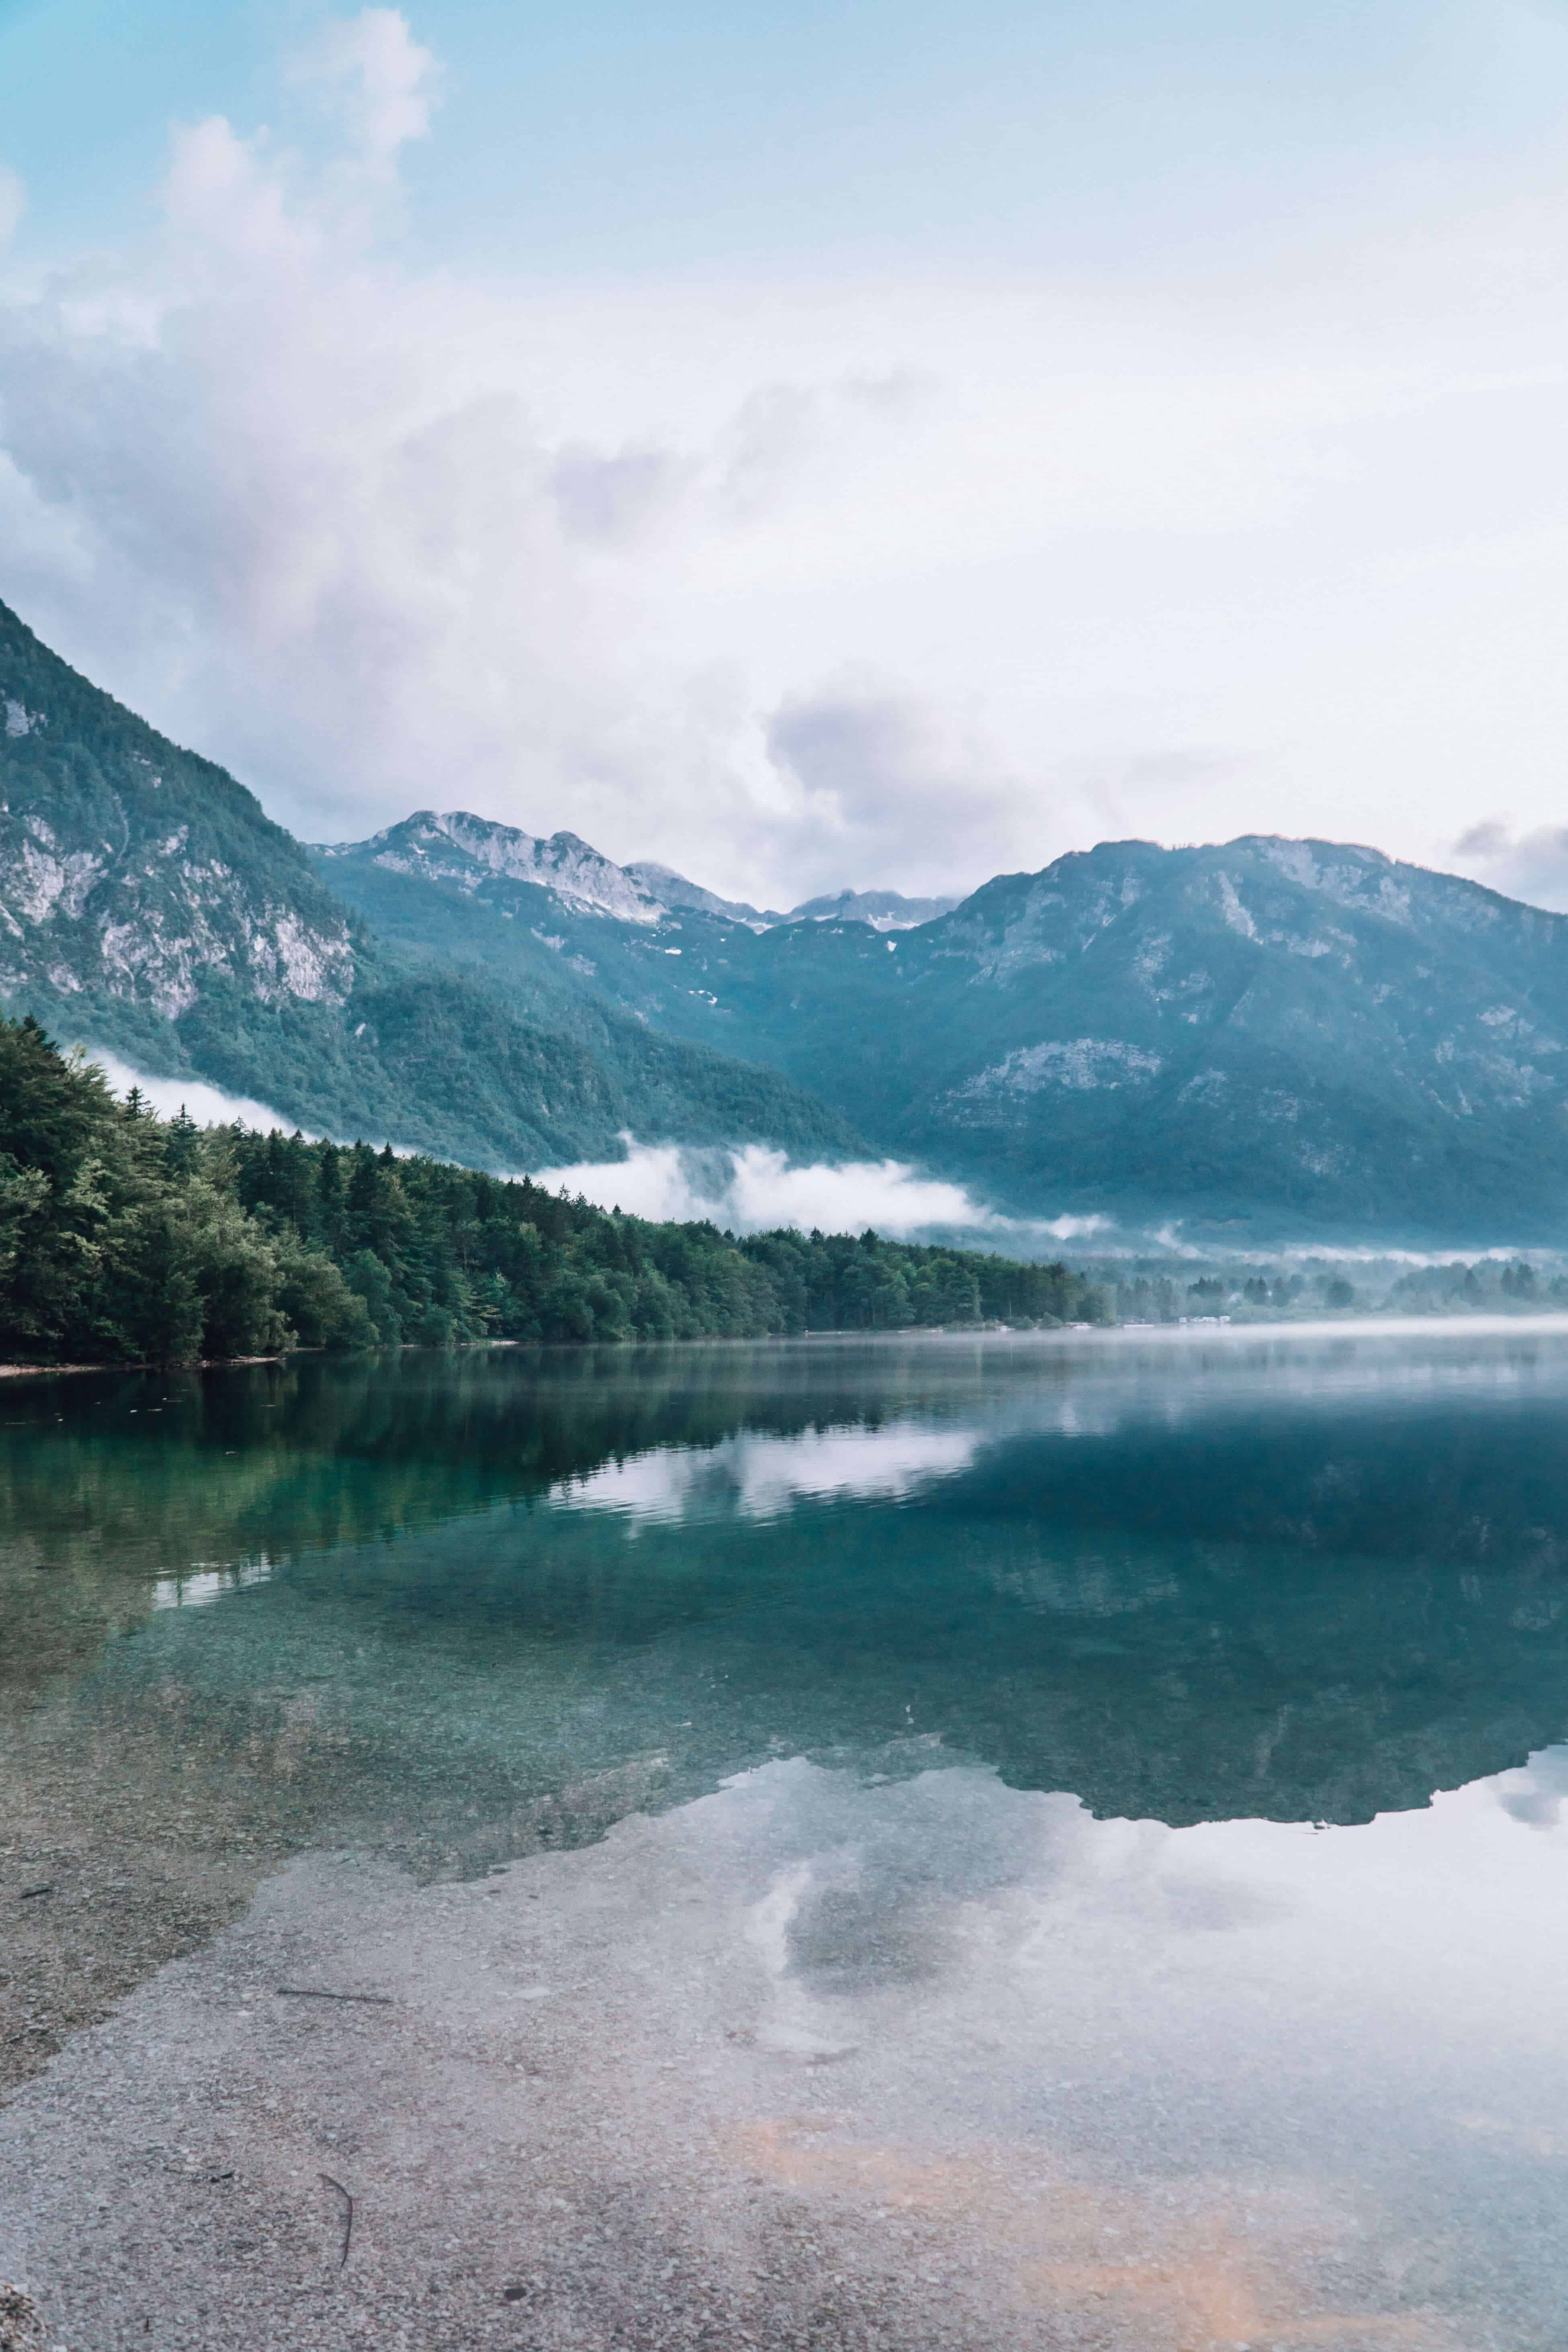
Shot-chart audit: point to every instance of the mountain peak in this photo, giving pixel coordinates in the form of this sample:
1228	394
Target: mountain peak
884	910
455	846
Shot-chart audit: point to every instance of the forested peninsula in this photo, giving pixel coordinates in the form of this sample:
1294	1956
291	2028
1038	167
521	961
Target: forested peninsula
125	1237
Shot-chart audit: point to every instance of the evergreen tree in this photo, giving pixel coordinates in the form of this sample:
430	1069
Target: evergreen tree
126	1237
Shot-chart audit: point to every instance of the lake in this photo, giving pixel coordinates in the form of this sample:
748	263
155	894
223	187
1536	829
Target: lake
966	1840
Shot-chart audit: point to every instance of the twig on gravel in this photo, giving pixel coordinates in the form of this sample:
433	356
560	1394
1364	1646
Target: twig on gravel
314	1992
28	1892
348	2216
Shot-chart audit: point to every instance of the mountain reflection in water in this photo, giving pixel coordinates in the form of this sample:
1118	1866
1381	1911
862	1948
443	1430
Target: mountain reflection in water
1253	1576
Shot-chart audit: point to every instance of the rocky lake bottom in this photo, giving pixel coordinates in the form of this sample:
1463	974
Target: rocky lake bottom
972	1842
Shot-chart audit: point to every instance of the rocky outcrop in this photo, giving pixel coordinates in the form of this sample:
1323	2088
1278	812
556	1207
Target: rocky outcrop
471	850
134	871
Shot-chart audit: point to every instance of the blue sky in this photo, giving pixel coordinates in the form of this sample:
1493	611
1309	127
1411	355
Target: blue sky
846	444
610	138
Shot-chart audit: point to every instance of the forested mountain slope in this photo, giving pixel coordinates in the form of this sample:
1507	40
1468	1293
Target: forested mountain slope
1281	1038
124	1237
1292	1036
1308	1033
135	874
149	905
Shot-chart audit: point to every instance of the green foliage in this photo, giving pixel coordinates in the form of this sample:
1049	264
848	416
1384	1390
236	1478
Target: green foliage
438	1253
123	1236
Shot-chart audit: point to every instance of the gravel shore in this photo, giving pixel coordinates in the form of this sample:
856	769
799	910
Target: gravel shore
551	2135
810	2064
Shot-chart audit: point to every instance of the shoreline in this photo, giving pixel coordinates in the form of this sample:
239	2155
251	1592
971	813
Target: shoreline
1206	1327
546	2137
145	1364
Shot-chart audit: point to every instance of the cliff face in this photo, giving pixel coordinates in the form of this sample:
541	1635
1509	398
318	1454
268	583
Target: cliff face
133	872
468	851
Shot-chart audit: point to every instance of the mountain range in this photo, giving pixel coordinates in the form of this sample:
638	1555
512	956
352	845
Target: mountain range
1268	1038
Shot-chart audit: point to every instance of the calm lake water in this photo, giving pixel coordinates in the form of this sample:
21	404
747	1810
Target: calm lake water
1150	1742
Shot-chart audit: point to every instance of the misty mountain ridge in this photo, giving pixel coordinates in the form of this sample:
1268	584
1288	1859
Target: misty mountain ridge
453	846
148	906
1268	1035
1266	1038
884	910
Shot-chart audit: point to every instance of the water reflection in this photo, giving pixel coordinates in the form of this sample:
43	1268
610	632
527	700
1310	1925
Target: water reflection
761	1477
199	1585
1243	2082
1276	1578
1019	1761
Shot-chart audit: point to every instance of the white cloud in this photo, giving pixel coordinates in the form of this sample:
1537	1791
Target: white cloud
384	81
208	1106
753	1188
876	762
1531	865
793	585
747	1189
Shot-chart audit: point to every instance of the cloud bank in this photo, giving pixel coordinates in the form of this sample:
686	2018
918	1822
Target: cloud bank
747	1189
208	1106
752	1188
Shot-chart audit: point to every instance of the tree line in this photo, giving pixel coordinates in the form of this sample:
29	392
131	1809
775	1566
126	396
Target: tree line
127	1237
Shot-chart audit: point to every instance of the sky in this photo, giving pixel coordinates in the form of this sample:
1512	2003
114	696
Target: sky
840	446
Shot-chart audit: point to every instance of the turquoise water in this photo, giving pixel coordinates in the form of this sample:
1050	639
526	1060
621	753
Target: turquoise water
1278	1578
1171	1642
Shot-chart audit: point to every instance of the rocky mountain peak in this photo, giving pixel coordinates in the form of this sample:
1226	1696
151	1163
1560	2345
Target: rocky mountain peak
456	847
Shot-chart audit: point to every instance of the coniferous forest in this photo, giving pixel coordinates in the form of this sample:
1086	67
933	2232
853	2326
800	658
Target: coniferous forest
127	1237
